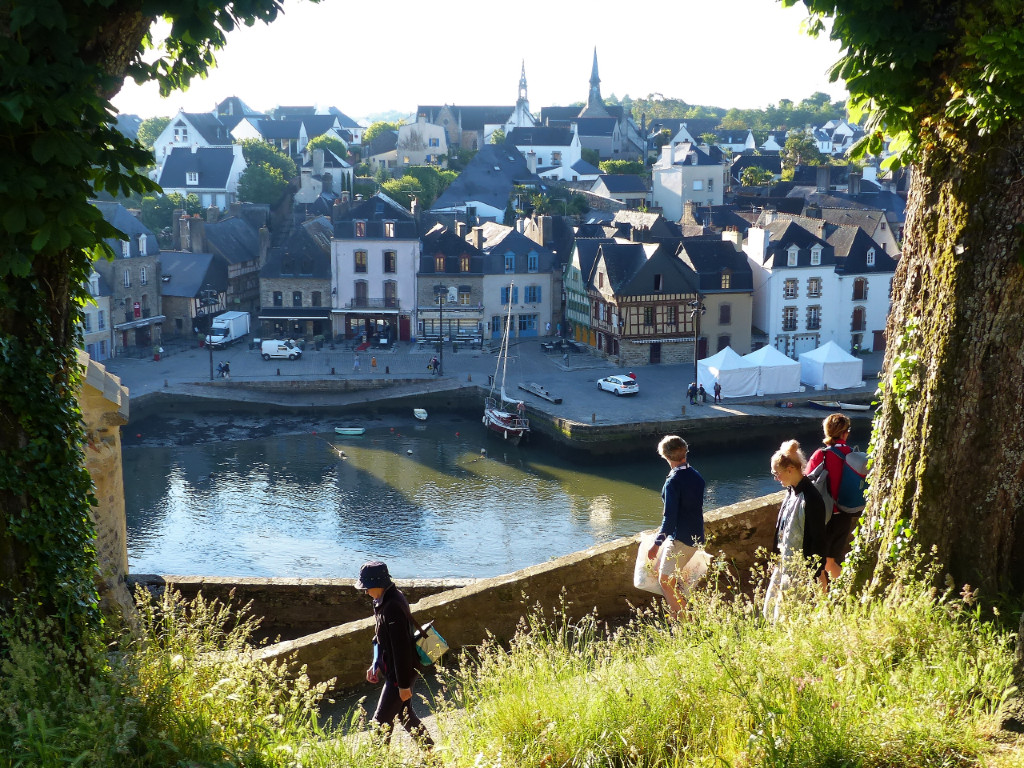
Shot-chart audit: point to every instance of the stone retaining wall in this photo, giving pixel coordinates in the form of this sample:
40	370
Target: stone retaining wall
598	579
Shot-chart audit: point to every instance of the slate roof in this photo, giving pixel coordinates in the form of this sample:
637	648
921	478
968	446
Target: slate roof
382	142
190	272
233	110
781	204
596	126
540	136
234	239
128	125
307	254
720	217
851	246
593	229
343	120
122	219
586	253
551	115
622	261
210	127
472	118
621	182
710	258
684	156
652	225
784	233
889	202
500	240
441	240
374	211
583	168
488	178
771	163
212	163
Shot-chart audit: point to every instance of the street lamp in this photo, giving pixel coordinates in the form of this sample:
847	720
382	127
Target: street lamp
441	294
208	299
696	310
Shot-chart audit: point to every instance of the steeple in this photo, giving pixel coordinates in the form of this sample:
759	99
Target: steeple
595	104
522	83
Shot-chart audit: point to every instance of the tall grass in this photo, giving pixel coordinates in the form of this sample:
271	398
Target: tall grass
913	679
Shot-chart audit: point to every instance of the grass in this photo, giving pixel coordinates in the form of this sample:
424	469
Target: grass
916	678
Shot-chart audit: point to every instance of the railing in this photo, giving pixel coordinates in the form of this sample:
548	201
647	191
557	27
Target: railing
365	303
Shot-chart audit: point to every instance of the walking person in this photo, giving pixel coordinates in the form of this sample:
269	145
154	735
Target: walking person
682	522
394	654
355	364
373	363
839	531
702	393
718	391
799	529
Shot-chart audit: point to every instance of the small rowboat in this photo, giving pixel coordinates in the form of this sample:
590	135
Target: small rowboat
349	430
835	405
420	413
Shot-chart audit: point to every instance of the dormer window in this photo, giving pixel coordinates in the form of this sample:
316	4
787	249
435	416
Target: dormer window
389	229
510	263
726	279
816	256
192	178
658	284
360	228
180	133
126	249
871	257
791	256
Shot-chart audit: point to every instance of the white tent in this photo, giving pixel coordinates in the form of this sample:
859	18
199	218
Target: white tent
776	373
738	379
830	367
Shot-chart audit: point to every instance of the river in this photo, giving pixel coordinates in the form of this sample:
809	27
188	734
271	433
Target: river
220	500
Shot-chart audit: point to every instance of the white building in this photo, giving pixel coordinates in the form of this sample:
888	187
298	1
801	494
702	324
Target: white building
549	152
685	173
421	143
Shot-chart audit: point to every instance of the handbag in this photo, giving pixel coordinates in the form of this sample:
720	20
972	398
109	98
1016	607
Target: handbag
430	646
645	572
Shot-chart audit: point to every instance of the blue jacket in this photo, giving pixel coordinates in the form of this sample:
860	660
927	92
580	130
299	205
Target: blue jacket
683	515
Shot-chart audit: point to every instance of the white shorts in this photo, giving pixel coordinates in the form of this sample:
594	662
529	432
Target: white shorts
673	557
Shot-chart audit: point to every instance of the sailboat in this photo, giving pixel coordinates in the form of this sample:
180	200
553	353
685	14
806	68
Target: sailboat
504	414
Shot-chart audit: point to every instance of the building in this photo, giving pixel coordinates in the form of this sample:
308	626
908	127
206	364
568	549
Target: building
483	191
209	173
194	288
686	173
97	328
576	282
295	283
551	153
726	287
450	286
626	188
190	129
421	143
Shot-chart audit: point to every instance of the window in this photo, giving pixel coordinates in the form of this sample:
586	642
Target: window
532	262
698	185
600	279
711	185
789	289
439	263
814	287
126	249
496	324
814	318
142	276
361	292
101	322
433	142
192	178
671	315
725	314
648	315
464	263
390	262
360	261
527	323
816	256
127	279
389	229
515	294
726	279
180	133
556	158
315	299
360	228
532	294
657	283
390	293
859	322
278	299
860	289
87	322
871	257
465	296
723	342
789	319
296	298
510	263
791	256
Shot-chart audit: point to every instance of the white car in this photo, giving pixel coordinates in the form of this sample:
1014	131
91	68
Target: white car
620	385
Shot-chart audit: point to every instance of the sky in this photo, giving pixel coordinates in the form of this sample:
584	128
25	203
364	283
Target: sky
370	58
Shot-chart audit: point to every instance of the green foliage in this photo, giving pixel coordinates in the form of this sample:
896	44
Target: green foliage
623	167
331	143
459	158
498	136
379	127
591	156
259	152
753	176
261	183
801	149
559	205
402	190
914	680
150	130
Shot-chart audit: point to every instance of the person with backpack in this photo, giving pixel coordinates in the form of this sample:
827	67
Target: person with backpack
394	653
839	531
800	528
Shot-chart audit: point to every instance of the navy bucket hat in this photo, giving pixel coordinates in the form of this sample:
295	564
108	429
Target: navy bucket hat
372	575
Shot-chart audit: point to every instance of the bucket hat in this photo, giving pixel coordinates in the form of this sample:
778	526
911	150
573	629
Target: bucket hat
372	575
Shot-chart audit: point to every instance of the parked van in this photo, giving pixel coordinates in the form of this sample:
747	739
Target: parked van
275	348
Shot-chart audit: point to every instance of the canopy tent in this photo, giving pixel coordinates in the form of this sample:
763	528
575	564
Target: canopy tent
831	367
776	373
738	379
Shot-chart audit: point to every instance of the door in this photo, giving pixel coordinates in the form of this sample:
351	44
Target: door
878	341
403	327
655	353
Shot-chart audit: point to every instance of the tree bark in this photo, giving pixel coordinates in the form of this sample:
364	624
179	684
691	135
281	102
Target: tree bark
949	447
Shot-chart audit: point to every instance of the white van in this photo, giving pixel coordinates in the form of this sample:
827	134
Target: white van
274	348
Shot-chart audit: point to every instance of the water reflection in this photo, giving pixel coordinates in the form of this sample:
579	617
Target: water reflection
429	502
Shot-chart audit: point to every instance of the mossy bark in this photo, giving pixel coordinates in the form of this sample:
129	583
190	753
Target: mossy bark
949	448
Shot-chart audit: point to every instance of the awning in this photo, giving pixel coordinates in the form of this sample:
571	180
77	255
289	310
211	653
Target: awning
295	313
140	323
622	340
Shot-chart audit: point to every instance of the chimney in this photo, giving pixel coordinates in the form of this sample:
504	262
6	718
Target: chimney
769	215
182	235
477	238
195	148
460	229
531	161
734	236
824	175
340	208
812	211
414	207
547	228
235	209
854	184
212	214
521	226
689	212
757	244
318	162
197	235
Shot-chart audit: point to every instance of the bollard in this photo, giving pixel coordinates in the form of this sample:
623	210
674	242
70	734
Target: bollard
593	418
684	410
469	377
387	369
332	370
165	382
278	371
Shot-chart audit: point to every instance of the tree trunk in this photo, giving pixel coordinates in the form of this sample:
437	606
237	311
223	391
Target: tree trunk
949	445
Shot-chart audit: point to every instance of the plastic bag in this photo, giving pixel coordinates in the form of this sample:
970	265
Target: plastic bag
430	646
645	573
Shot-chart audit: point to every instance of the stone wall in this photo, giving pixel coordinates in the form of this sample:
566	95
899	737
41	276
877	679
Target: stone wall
599	579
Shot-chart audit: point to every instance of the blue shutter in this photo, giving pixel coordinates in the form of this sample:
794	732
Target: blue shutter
504	295
538	294
515	294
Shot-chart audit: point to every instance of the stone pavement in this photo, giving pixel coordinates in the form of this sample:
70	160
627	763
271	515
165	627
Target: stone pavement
661	387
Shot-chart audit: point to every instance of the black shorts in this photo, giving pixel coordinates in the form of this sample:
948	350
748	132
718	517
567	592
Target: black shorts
839	535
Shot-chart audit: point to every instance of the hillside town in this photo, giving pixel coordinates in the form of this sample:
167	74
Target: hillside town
715	238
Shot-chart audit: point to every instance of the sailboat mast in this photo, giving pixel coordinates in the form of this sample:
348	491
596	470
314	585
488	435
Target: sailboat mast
504	356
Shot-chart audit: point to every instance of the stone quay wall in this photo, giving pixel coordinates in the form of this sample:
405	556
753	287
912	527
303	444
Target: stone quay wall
598	579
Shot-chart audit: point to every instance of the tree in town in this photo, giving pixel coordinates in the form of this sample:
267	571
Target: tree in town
60	63
259	152
150	130
945	79
755	176
403	190
591	156
379	127
622	167
498	136
261	183
801	149
331	143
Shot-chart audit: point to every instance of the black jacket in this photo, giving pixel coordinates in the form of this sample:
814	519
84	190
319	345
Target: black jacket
393	636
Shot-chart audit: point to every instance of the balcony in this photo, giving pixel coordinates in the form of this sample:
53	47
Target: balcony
367	303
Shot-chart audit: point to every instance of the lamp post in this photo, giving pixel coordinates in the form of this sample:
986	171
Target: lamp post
696	310
208	300
441	294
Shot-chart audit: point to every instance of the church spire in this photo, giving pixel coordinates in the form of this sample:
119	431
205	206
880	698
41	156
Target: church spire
595	104
522	83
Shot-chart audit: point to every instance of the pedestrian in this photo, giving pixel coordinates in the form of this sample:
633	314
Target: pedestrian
355	364
226	372
799	530
394	654
682	522
565	359
703	393
718	391
373	362
433	366
691	392
547	328
839	531
632	375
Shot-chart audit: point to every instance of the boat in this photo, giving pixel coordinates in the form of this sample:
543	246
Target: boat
420	413
836	405
503	415
349	430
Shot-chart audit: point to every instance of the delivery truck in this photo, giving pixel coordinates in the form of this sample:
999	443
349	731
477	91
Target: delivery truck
227	328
